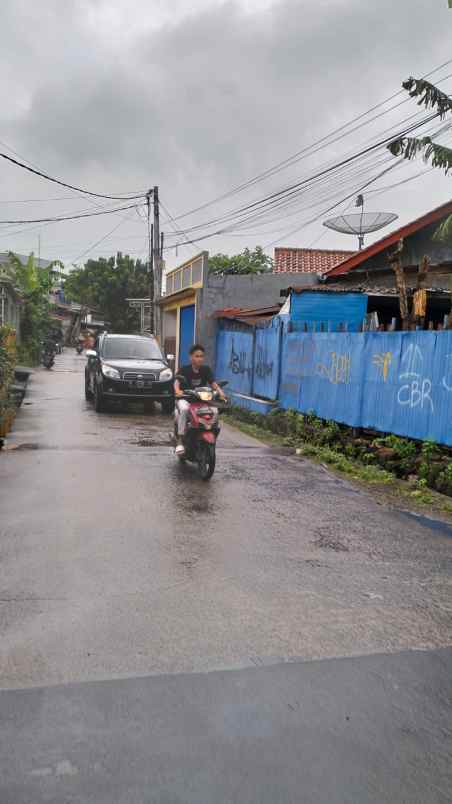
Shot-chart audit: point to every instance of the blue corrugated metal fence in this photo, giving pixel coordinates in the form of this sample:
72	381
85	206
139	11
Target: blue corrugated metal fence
267	353
398	382
235	356
329	312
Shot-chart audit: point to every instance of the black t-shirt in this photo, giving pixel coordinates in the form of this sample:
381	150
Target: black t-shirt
195	379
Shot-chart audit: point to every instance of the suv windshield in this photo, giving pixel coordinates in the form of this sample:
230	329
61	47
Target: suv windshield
131	349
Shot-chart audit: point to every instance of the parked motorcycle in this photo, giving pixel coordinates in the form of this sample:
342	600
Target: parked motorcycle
48	355
79	348
203	429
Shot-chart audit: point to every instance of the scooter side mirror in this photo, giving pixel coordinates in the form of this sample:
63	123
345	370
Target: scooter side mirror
222	383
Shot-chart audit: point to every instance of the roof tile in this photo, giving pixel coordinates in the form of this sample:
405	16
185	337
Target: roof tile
307	260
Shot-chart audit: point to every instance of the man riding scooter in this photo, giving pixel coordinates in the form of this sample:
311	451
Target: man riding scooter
196	375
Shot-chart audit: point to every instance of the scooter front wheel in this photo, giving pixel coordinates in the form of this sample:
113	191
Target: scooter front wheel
206	460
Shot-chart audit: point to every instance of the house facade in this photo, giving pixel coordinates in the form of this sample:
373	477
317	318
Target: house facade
426	264
10	305
194	297
180	307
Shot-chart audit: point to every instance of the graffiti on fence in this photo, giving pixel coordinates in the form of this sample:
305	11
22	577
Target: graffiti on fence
338	369
382	361
411	361
416	393
263	367
399	382
237	361
447	379
416	389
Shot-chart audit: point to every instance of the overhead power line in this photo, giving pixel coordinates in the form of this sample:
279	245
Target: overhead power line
310	150
101	240
317	145
178	231
294	189
124	197
73	217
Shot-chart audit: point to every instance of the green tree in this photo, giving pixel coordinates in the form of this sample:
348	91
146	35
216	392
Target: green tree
247	262
106	283
34	284
438	155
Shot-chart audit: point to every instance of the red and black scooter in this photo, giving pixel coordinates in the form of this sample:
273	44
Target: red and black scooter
203	428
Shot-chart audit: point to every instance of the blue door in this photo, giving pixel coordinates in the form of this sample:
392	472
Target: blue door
187	333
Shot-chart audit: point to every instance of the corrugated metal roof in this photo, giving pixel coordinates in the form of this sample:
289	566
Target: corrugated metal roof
322	288
249	312
5	255
252	321
369	289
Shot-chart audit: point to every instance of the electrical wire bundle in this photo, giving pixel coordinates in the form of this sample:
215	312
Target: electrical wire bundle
303	201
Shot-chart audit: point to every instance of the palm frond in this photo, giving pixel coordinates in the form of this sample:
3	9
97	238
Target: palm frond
429	96
443	233
410	147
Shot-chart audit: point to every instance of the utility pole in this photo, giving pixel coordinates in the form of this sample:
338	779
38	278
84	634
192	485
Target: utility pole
157	253
150	262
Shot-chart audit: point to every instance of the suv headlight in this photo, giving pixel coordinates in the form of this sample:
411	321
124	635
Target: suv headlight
110	372
166	375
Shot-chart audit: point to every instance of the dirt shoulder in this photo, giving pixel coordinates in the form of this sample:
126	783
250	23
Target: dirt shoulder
386	488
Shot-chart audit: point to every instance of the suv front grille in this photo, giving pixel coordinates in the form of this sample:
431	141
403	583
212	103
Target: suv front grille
133	377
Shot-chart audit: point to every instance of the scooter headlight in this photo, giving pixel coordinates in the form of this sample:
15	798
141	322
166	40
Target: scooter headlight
205	396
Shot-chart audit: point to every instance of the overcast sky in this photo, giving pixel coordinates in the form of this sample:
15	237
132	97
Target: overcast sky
198	96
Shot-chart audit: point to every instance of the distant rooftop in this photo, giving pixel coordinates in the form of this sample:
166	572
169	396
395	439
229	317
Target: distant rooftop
308	260
41	263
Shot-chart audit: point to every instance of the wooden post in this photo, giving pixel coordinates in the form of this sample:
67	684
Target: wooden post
396	265
420	296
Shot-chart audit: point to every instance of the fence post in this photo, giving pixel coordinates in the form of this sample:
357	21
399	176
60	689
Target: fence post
279	353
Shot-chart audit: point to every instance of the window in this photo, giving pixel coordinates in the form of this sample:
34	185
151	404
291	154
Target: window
197	271
186	277
131	349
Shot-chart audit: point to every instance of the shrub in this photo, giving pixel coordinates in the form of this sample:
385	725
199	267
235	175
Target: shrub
7	364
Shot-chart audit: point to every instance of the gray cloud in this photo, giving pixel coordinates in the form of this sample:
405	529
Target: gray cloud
201	101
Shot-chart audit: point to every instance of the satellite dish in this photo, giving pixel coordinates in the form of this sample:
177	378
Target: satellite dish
360	223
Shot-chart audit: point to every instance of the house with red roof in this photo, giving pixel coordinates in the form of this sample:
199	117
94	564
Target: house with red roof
307	260
371	272
371	265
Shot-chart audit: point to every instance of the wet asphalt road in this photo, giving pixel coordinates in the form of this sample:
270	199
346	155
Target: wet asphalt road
117	562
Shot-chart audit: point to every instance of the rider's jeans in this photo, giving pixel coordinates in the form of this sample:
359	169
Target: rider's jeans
182	408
